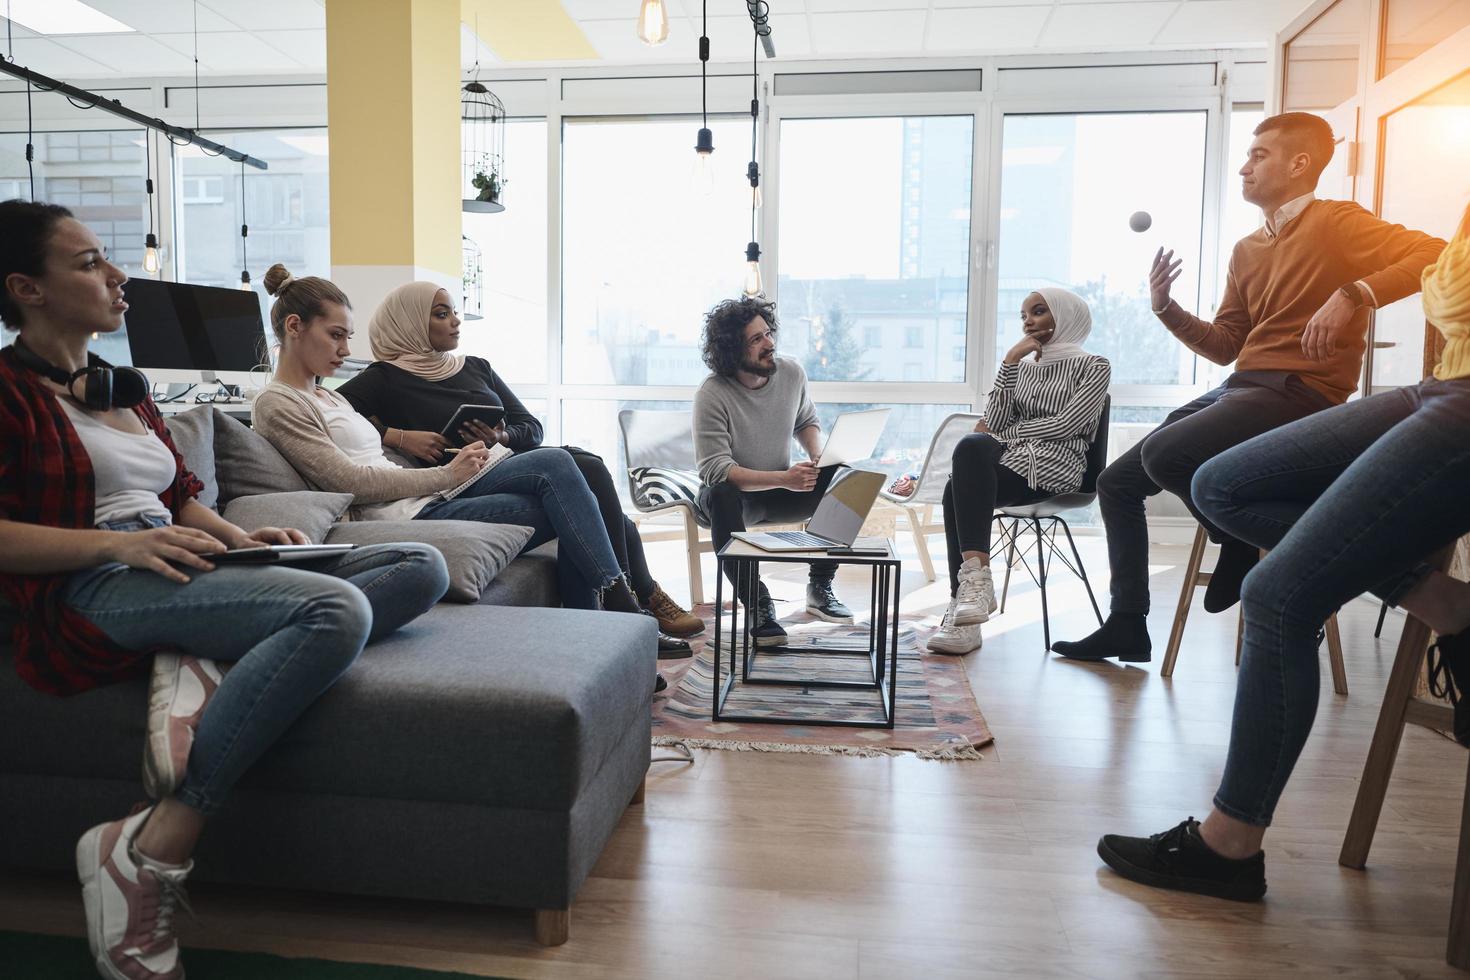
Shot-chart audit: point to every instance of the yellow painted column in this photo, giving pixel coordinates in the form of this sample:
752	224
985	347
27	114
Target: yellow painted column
393	132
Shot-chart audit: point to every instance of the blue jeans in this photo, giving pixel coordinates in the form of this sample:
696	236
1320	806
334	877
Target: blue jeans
542	489
291	630
1349	500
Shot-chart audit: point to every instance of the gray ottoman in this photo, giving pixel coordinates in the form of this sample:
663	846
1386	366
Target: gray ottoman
481	754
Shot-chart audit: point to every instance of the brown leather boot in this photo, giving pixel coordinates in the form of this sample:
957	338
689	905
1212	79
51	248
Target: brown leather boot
672	617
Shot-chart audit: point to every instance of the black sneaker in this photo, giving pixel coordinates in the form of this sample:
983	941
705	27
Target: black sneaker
768	631
1449	677
1124	635
823	603
1179	859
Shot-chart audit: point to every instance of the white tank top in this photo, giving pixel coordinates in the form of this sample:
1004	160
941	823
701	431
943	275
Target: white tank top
360	442
131	469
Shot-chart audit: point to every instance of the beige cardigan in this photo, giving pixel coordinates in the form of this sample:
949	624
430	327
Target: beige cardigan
295	425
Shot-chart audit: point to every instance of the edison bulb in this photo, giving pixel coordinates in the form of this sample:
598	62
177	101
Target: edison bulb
752	278
653	23
150	260
702	175
755	196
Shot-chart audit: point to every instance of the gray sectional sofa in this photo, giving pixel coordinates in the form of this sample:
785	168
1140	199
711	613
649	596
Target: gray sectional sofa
483	754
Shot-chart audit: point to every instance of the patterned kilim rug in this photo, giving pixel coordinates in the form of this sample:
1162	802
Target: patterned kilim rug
937	714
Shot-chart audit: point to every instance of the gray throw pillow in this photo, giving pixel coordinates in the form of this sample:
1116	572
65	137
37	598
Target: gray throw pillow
311	512
247	464
474	551
193	436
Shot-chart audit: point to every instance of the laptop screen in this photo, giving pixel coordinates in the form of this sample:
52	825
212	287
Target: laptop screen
844	507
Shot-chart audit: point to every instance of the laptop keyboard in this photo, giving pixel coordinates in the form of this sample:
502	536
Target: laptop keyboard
801	539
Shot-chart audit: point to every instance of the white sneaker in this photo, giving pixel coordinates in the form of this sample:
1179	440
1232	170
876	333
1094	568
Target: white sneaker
975	600
180	688
954	639
130	904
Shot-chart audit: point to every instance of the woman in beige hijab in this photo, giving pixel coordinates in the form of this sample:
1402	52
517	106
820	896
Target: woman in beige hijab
417	382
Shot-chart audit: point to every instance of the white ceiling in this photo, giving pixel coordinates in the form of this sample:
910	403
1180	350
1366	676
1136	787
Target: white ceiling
289	36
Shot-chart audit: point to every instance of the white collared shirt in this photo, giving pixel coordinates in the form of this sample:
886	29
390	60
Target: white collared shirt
1292	208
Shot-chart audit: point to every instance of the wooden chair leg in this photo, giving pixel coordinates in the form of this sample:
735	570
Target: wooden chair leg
640	792
921	541
553	926
691	547
1384	748
1186	596
1334	656
1457	950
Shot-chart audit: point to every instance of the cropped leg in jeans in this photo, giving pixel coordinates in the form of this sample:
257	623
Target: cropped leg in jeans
290	631
731	509
1167	459
1391	471
542	489
978	484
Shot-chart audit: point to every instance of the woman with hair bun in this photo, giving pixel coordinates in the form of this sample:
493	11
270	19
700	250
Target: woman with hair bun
105	562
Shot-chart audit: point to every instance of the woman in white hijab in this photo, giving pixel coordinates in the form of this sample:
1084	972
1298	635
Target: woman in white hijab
1032	444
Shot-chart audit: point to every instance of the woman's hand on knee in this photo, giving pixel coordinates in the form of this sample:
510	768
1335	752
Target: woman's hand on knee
159	549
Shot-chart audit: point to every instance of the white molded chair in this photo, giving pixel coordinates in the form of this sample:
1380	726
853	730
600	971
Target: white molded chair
918	507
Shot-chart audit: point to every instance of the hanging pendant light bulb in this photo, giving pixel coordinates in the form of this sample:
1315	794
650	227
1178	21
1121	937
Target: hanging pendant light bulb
150	253
702	177
752	270
653	23
150	240
244	280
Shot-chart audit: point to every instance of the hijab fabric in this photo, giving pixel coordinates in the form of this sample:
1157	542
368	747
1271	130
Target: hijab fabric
1073	323
399	333
1447	303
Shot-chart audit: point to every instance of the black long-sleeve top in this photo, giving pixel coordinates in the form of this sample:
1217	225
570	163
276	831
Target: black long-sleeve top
394	398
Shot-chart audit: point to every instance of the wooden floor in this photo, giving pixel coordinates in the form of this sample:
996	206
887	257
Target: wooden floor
754	865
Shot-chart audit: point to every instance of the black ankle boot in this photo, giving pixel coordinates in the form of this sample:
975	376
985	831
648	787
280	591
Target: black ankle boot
617	597
1124	635
1236	560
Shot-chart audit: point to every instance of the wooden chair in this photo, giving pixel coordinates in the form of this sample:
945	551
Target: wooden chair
1401	707
917	509
1194	578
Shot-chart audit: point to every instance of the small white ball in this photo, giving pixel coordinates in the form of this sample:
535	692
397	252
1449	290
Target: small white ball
1140	220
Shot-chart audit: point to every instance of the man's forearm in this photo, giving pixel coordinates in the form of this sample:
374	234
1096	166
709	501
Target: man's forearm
747	479
810	439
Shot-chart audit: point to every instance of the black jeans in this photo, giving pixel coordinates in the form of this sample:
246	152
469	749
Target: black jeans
1351	500
731	509
978	484
1167	458
622	533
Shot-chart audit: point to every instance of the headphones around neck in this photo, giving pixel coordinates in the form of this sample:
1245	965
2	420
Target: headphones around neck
106	387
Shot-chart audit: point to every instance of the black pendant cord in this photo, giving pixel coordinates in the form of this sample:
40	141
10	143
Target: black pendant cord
703	63
148	179
755	40
244	232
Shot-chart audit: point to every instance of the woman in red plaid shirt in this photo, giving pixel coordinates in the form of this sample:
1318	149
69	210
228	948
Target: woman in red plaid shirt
104	563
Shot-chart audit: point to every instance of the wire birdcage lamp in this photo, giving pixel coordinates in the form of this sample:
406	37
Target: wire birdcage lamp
472	278
482	119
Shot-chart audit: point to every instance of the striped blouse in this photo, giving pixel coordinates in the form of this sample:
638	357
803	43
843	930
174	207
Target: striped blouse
1046	414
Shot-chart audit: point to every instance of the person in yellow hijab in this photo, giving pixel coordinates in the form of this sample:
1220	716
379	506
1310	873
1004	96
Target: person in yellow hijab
1350	500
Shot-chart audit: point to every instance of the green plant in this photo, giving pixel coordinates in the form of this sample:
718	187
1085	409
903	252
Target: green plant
487	181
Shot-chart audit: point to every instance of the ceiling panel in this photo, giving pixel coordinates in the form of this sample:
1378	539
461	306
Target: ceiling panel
623	9
235	52
1226	22
878	32
132	53
50	58
617	40
269	15
161	16
1111	24
986	29
307	47
843	6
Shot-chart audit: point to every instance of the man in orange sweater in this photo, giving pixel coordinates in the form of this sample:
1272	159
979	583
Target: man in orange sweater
1294	320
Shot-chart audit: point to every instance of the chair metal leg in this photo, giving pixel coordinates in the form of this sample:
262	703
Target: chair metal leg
1382	612
1186	596
1334	656
1041	581
921	540
691	547
1005	587
1081	570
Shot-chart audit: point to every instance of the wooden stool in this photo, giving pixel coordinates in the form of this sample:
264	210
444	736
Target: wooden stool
1194	578
1401	707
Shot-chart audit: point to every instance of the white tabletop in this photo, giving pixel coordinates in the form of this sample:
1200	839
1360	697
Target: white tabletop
736	548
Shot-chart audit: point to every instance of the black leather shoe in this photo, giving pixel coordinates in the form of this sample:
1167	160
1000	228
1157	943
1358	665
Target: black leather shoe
823	603
1124	636
659	684
673	648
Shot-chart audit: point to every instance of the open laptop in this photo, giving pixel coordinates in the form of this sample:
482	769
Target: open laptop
854	437
837	521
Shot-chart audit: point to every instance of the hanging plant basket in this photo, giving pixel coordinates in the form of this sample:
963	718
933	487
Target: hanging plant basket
482	141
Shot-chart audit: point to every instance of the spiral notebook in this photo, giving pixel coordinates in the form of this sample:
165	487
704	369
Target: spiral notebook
498	454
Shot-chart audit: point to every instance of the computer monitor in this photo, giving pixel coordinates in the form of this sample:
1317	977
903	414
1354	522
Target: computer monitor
179	332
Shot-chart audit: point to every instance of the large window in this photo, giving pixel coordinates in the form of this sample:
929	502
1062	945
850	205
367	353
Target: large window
1068	185
512	245
875	246
644	253
285	208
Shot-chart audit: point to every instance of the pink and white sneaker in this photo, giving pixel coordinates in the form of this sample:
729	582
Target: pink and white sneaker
177	694
130	904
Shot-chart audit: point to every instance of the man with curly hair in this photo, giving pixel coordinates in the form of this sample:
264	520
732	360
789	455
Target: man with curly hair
745	415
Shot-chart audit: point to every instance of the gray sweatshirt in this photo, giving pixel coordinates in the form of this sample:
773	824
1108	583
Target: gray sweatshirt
751	427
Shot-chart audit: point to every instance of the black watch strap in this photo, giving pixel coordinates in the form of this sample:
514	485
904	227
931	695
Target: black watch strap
1353	293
